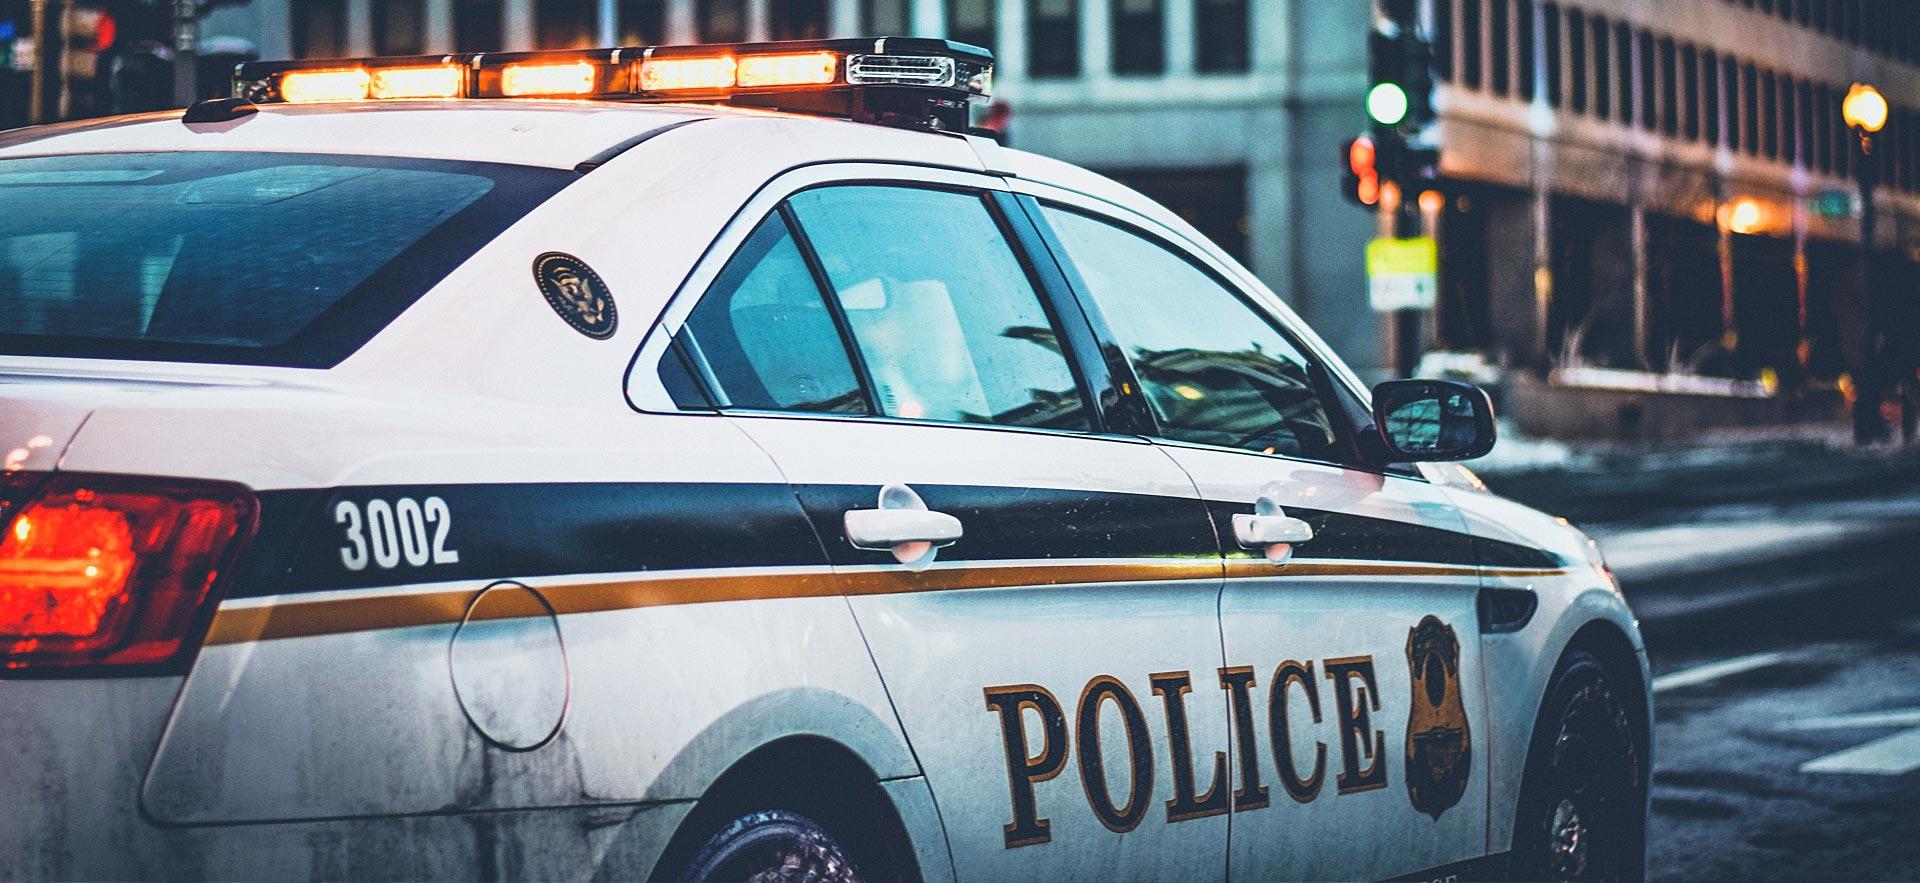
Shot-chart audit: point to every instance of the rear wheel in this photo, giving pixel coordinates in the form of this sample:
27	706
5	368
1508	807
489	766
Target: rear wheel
772	846
1581	814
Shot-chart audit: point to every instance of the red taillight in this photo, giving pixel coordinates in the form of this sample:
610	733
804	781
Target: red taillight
112	570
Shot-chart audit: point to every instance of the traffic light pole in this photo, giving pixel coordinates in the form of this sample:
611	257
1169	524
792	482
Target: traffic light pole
186	52
42	50
1406	323
1868	391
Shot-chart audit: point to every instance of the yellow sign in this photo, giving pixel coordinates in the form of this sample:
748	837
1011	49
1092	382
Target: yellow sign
1403	274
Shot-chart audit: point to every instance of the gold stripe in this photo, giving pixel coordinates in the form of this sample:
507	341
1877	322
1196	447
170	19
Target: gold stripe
296	618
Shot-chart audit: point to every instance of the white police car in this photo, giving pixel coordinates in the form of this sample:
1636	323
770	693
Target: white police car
613	465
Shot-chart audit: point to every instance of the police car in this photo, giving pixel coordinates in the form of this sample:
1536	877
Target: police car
714	462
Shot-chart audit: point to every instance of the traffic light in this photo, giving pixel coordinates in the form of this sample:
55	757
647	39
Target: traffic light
1399	100
1360	169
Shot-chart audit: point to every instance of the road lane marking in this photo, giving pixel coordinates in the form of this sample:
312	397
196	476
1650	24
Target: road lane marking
1713	671
1896	717
1896	755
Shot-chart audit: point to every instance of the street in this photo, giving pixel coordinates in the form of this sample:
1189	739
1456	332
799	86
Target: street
1783	623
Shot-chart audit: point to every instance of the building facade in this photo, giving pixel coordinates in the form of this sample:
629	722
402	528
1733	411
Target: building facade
1662	186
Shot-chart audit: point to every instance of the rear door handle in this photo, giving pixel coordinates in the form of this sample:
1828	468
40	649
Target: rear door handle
1270	530
904	526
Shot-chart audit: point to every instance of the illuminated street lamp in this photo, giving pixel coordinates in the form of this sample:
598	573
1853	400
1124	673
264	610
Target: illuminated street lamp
1865	111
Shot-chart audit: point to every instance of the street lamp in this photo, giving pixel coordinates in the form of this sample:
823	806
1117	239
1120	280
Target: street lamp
1865	111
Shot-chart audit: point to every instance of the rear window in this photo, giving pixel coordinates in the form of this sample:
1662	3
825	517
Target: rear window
252	258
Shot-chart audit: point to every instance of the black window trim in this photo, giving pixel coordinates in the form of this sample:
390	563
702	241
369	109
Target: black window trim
1015	231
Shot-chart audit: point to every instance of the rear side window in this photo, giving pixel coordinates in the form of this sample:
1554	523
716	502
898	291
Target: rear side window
944	316
943	320
255	258
1214	370
764	333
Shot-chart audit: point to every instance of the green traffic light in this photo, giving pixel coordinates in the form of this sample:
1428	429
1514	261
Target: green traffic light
1387	104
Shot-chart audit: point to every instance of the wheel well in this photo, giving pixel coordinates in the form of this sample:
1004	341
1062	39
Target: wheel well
1610	645
814	777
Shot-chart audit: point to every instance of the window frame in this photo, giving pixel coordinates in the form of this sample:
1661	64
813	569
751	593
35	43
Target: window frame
1337	396
647	394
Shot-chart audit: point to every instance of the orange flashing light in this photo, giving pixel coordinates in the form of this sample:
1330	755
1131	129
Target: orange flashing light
547	79
806	69
439	81
307	87
684	74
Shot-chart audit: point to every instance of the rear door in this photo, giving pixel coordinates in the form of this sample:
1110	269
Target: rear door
1053	665
1352	657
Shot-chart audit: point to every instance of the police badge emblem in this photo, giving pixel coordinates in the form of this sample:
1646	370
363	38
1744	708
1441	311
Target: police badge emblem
1439	746
577	293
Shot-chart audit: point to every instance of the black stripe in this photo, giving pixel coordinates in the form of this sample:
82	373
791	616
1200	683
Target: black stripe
1009	523
554	529
502	530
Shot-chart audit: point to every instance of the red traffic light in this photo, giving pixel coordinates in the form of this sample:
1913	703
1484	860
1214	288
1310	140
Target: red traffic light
1362	183
1361	157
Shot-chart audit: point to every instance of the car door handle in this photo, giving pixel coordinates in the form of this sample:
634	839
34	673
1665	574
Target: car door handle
1270	530
1261	531
902	524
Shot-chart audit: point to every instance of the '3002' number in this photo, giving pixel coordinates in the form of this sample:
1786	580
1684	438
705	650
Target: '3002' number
391	532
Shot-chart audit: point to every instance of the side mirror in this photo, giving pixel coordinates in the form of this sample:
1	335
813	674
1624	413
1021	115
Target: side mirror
1433	420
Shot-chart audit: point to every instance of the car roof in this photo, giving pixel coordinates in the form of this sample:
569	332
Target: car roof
553	134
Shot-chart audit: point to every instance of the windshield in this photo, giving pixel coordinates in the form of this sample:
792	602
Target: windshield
254	258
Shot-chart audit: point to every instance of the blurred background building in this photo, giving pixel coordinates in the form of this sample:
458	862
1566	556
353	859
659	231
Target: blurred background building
1637	197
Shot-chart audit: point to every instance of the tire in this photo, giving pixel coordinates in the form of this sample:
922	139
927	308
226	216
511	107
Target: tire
1582	809
771	846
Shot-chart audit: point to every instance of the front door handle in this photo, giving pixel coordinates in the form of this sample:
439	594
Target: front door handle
1270	530
904	526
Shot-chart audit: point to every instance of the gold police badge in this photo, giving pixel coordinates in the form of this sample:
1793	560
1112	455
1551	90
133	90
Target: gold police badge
1439	745
577	293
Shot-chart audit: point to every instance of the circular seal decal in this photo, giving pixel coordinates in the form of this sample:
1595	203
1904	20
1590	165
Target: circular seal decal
577	293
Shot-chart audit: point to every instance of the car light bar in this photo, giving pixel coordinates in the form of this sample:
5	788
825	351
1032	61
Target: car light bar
904	81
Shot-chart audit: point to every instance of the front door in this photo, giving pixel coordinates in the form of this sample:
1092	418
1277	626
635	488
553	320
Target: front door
1040	598
1352	656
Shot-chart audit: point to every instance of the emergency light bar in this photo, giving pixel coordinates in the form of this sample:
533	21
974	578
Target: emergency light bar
902	81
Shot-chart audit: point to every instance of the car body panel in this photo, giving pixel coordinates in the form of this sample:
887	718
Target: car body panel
327	729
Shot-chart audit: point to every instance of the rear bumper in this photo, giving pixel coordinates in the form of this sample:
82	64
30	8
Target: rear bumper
78	754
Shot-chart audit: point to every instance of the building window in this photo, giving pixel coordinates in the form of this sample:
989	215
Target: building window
1749	110
476	26
1690	92
1443	40
1649	87
319	28
397	27
1500	28
1523	28
1472	59
1767	107
1711	102
796	19
971	21
1603	71
1803	96
1556	60
722	21
1226	36
1053	38
1139	36
881	18
642	22
1669	88
1577	59
564	24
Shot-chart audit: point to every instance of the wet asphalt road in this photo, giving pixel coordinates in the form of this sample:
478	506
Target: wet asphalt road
1783	625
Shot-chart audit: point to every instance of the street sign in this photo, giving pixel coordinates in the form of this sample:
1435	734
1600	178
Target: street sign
1403	274
1832	204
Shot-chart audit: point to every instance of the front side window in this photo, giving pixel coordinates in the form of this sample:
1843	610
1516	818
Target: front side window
942	312
1214	370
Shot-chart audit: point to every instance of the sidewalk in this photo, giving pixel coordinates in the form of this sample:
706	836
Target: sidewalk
1736	519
